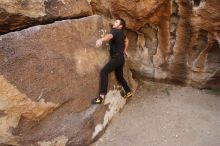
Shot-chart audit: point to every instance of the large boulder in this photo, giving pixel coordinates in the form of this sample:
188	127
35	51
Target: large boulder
137	13
18	14
48	77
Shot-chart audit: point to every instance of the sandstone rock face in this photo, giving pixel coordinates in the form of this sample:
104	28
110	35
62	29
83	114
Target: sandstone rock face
48	77
205	45
101	7
174	41
136	12
18	14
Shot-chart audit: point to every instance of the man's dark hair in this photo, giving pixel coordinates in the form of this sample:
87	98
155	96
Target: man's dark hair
122	22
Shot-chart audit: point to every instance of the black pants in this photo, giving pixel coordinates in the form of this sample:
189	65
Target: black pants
116	63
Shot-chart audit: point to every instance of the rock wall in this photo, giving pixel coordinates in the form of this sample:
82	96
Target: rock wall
49	75
19	14
172	41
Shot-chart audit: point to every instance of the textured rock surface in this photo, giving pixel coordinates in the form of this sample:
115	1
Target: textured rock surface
136	12
18	14
49	75
101	7
175	41
205	45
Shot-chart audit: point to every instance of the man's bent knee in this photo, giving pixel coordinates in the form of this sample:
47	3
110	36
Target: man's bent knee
103	72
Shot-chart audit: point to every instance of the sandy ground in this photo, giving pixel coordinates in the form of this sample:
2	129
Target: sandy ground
166	115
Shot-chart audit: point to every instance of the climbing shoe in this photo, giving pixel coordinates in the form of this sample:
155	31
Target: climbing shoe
128	95
98	100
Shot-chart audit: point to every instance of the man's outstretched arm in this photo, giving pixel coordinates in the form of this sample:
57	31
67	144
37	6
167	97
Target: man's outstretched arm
106	38
126	47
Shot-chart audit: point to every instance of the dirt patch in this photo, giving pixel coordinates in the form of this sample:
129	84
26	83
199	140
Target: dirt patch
165	115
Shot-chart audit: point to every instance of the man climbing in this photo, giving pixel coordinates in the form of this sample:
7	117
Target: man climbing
118	48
